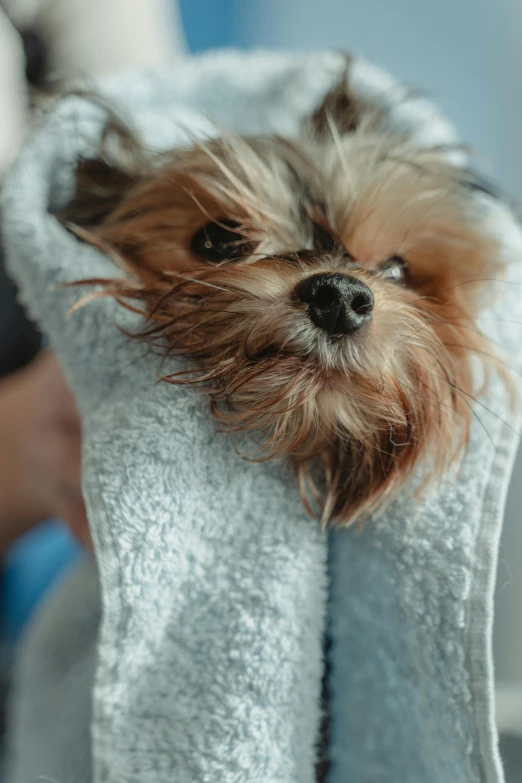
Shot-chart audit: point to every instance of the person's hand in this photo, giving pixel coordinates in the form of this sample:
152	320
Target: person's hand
40	446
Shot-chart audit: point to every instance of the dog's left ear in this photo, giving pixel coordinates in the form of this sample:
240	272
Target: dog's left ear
339	109
100	187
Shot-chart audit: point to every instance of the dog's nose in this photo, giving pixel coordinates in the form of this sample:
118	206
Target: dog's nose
338	304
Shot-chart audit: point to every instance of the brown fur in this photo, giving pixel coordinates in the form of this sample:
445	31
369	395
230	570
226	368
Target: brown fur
356	415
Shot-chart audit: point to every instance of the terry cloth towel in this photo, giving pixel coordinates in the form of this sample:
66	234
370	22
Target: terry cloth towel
213	580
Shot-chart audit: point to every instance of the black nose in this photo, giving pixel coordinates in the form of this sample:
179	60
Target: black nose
337	303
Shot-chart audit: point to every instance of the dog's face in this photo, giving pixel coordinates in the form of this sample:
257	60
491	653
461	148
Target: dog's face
325	291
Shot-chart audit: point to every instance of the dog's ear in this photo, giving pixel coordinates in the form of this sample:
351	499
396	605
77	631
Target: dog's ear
339	108
99	188
104	180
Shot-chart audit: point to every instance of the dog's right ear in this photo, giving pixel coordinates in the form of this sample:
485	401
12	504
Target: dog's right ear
100	187
339	109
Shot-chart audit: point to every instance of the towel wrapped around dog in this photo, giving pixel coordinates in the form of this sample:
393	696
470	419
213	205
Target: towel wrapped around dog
213	580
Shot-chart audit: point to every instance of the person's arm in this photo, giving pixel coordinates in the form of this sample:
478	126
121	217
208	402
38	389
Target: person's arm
40	446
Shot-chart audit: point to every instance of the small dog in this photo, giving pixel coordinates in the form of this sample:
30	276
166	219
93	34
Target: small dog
325	291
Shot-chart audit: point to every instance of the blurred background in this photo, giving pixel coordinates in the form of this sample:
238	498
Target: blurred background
466	56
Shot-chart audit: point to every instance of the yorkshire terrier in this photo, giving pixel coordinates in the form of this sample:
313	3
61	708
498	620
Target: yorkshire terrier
324	289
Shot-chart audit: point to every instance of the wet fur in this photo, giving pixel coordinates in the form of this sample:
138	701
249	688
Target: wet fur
357	416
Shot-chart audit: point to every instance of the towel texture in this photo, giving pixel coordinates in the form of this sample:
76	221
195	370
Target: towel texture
213	581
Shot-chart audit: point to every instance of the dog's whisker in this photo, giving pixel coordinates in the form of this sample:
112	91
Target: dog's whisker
201	282
474	281
486	408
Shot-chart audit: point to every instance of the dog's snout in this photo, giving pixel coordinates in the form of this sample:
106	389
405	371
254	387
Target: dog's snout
337	303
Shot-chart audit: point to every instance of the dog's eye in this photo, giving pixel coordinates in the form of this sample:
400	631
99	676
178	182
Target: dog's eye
394	269
219	241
